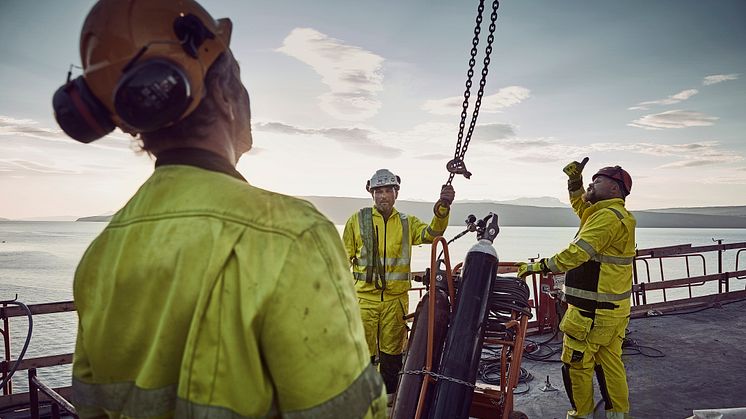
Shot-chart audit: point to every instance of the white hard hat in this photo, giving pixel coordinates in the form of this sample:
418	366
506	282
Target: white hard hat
383	177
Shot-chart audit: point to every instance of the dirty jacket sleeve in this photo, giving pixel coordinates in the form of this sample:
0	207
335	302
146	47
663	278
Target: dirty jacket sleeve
422	233
314	312
351	242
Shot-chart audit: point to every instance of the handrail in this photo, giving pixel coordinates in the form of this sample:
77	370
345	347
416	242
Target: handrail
8	398
643	282
35	386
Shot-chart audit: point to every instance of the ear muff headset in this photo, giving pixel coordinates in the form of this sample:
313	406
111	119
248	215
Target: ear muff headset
79	113
150	94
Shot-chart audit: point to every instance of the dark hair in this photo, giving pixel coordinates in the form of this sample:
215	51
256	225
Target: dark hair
198	123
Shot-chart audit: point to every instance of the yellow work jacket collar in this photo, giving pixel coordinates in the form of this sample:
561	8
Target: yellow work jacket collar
376	213
599	206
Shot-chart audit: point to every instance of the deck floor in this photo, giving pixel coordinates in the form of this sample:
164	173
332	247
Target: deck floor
703	367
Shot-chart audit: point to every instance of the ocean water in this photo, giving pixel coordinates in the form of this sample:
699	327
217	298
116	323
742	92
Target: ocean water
38	260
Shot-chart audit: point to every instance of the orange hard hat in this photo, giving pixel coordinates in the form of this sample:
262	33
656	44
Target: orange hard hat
118	34
619	175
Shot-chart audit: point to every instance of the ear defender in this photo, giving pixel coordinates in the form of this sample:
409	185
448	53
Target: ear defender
153	94
79	113
150	94
156	93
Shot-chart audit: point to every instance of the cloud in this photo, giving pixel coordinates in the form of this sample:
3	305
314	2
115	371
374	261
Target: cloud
673	119
676	98
353	74
704	153
493	132
719	78
355	139
24	167
504	98
29	128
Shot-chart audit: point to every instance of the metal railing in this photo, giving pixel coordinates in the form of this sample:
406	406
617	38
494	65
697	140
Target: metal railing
648	280
38	391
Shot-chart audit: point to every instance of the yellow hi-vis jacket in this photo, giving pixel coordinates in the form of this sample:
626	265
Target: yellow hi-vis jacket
207	297
381	267
599	262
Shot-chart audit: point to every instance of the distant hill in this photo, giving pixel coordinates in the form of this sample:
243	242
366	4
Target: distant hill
339	209
4	219
97	218
729	211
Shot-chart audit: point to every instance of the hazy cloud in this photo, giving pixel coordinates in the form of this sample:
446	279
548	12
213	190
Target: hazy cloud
673	119
704	153
492	132
353	74
355	139
25	167
678	97
718	78
505	97
29	128
435	156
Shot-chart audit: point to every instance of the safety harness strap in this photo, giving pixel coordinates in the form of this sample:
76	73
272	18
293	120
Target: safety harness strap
366	231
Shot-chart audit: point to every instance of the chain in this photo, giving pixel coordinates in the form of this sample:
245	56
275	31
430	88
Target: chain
439	377
457	166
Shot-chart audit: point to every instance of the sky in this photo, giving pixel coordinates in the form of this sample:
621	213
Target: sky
342	88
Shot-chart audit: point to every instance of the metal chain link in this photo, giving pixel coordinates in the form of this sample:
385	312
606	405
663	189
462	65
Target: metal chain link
438	377
457	166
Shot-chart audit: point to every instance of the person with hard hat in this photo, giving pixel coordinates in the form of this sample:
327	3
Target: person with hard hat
204	296
379	242
598	268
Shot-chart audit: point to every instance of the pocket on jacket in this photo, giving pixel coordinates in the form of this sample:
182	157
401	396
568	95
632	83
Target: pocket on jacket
575	325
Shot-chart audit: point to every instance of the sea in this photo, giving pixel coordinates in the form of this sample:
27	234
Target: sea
38	260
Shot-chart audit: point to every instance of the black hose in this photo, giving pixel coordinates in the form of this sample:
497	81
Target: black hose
28	337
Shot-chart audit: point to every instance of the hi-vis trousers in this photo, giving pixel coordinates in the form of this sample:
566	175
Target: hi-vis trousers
594	345
385	333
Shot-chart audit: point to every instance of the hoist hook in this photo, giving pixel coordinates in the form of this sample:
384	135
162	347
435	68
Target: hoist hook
458	167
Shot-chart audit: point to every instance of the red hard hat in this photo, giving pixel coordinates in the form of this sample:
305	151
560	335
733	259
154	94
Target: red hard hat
619	175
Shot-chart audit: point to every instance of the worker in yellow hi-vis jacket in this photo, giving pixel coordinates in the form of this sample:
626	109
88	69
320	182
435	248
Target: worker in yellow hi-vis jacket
204	297
598	285
379	244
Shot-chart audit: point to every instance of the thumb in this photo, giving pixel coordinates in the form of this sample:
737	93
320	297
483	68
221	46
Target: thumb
582	164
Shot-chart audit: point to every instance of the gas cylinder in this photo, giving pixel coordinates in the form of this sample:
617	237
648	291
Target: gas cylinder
410	384
463	347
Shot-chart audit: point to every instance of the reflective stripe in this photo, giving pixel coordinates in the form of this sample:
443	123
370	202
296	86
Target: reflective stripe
354	402
595	296
586	247
389	262
186	409
390	276
125	397
576	192
552	265
363	262
616	212
431	232
613	260
129	400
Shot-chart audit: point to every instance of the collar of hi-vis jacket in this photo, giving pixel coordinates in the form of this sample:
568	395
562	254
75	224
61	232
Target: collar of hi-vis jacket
198	157
599	206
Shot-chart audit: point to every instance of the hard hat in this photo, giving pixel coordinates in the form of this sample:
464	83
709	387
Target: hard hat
619	175
144	66
383	177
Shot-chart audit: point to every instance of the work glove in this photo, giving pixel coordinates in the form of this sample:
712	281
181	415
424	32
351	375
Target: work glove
443	205
574	172
527	268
